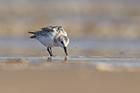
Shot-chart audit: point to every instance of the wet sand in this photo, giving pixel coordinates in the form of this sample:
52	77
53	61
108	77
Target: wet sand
58	76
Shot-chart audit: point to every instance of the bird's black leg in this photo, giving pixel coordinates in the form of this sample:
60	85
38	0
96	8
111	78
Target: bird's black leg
65	50
50	51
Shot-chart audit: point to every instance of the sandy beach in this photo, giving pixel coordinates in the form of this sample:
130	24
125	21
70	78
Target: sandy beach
65	77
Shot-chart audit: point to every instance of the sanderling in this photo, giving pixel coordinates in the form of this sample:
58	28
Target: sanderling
52	36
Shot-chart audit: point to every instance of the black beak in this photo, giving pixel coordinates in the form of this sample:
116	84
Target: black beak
65	49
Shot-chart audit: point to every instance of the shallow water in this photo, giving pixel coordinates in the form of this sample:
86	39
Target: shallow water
99	63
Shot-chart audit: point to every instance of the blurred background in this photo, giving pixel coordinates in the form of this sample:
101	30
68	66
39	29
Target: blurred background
107	28
95	27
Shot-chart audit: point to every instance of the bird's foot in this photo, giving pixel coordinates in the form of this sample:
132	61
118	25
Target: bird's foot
49	59
66	58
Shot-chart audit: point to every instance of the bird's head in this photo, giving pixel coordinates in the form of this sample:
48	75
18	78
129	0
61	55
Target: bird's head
64	41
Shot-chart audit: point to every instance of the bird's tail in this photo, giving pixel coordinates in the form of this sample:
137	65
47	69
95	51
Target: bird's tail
32	32
33	36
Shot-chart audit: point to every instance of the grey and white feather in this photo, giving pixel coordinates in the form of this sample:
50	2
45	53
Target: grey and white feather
52	36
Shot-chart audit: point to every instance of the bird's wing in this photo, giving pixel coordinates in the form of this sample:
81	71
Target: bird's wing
42	33
39	33
47	29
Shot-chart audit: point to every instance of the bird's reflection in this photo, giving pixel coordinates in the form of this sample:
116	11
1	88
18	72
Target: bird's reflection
65	60
49	59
